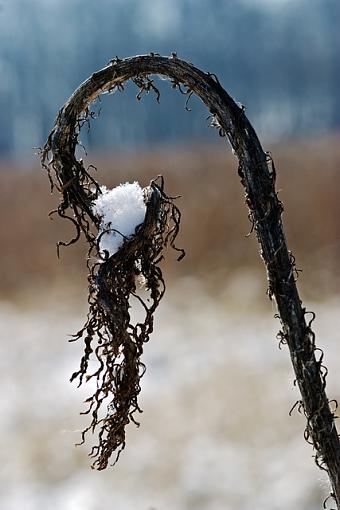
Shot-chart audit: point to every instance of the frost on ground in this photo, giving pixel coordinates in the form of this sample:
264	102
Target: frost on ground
215	432
121	210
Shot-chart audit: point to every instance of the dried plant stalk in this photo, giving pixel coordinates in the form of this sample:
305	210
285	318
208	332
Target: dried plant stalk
257	173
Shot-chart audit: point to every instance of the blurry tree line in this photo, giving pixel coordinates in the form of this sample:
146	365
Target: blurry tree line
280	59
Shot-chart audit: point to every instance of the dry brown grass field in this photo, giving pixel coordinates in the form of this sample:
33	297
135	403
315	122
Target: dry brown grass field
214	217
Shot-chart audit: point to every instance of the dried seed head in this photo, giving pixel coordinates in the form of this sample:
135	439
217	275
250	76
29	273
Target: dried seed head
111	339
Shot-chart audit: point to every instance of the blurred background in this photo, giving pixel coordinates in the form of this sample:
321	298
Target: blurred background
215	432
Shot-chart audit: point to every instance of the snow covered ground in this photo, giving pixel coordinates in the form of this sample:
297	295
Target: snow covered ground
215	432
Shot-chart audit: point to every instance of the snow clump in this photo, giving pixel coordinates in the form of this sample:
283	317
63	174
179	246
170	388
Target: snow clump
121	210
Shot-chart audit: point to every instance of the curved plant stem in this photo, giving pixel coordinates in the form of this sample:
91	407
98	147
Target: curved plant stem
257	173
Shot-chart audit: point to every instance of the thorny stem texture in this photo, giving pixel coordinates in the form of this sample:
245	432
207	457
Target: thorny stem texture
257	172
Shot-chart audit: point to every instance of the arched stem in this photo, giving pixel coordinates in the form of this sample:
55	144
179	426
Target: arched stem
257	173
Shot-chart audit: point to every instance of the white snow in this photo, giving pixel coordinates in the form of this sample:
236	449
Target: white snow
121	210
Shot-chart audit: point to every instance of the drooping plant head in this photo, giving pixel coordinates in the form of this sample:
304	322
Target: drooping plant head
113	342
109	334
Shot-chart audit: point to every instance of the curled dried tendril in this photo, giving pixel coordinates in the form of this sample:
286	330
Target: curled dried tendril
110	337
